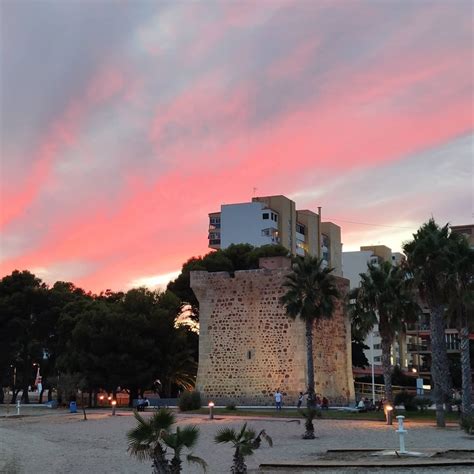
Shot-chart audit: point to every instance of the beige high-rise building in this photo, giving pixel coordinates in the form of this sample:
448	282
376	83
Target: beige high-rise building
275	220
467	230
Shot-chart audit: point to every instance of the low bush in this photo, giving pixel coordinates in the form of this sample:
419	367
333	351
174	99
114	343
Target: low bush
189	401
231	406
406	399
423	403
467	424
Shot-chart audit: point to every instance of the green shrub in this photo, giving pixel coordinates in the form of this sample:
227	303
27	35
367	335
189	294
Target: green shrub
467	424
423	403
231	406
189	401
406	399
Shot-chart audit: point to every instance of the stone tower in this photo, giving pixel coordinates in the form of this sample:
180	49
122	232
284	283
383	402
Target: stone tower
249	347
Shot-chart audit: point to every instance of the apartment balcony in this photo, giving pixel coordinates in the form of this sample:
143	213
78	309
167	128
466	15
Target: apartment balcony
418	328
451	347
418	348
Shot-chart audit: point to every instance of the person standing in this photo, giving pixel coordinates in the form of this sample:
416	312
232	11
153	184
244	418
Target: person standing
300	400
278	399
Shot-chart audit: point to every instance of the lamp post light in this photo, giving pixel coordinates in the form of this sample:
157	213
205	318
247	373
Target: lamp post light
14	376
211	410
114	403
388	413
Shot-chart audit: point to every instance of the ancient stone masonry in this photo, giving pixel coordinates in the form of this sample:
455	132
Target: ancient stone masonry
249	347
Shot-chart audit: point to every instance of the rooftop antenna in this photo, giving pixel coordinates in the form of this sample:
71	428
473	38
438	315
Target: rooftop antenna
319	233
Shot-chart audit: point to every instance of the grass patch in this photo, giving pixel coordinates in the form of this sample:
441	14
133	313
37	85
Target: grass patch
328	414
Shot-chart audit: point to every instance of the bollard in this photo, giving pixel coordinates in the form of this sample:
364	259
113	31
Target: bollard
114	404
211	410
401	433
18	404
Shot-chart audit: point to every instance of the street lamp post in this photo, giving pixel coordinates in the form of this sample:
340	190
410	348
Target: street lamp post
211	410
372	357
388	413
14	376
114	403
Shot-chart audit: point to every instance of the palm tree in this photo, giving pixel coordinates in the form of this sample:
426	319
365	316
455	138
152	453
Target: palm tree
149	439
245	443
311	295
429	260
460	291
183	438
384	298
145	440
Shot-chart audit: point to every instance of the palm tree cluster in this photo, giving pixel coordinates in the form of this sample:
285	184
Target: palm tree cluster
438	272
245	441
151	439
384	297
441	264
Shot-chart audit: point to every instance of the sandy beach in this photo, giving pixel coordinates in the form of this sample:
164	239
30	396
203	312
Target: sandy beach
58	442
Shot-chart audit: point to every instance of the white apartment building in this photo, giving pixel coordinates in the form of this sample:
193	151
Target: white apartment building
272	220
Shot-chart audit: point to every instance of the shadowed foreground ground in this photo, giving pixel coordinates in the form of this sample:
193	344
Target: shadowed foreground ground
57	442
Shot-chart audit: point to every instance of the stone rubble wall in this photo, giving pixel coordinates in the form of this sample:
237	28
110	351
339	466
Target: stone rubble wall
249	347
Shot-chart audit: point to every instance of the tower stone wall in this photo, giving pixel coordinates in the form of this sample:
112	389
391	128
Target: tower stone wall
249	347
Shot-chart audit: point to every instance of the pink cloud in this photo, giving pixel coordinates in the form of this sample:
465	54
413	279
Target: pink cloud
211	144
62	134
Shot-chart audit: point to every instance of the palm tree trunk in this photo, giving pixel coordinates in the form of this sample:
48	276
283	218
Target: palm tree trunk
466	373
160	464
387	367
439	363
239	466
175	467
310	362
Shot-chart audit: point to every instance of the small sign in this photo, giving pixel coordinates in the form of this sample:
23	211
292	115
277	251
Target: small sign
419	386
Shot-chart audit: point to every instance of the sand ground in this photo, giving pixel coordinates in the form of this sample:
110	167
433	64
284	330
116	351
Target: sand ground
58	442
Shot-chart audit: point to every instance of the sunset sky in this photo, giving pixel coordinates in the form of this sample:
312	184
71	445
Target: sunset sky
124	123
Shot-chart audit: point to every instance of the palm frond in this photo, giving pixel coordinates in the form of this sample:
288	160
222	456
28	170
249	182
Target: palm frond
163	419
263	434
141	451
197	460
188	435
226	435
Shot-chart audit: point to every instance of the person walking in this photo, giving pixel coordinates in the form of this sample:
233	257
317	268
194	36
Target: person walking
300	400
278	399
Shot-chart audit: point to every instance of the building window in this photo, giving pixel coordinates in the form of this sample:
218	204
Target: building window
265	215
300	228
215	242
377	346
377	359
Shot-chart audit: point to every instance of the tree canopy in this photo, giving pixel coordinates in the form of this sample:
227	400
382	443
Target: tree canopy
233	258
